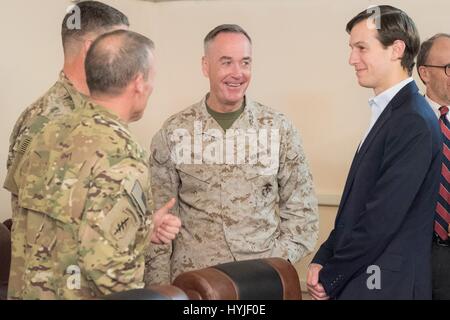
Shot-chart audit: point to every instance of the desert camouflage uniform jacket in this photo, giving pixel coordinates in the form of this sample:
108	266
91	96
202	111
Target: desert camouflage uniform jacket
83	191
235	201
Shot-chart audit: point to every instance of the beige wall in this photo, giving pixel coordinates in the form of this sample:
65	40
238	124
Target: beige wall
300	67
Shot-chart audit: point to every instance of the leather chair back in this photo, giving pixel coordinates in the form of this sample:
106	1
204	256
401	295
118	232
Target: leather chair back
262	279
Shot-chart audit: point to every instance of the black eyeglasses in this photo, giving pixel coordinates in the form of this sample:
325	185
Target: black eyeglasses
446	68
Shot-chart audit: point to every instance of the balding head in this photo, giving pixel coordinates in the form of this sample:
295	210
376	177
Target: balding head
423	57
432	65
115	59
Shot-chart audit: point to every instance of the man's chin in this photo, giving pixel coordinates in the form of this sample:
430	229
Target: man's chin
233	99
364	84
234	103
136	116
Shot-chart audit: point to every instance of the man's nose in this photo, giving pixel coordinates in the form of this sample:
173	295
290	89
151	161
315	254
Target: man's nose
236	70
354	58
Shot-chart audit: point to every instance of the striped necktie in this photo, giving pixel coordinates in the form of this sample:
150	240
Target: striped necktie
442	217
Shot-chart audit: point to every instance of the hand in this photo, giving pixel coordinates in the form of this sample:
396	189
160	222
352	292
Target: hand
165	225
315	289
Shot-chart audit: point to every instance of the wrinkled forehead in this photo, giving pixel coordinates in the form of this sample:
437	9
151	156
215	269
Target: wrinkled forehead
440	51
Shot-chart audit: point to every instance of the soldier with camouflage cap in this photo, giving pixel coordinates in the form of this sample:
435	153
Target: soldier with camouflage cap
238	170
95	18
84	185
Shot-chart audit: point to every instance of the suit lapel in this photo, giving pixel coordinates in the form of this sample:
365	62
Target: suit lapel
359	156
396	102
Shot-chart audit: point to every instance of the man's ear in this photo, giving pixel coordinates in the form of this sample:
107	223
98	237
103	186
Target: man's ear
205	67
86	45
398	49
423	74
139	83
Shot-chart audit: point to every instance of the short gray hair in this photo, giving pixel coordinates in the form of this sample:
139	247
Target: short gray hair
224	28
109	69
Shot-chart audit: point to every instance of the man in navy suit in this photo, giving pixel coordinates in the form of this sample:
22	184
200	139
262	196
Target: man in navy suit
433	66
380	247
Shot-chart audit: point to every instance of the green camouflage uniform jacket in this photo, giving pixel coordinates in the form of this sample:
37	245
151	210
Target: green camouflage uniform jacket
83	190
57	101
244	194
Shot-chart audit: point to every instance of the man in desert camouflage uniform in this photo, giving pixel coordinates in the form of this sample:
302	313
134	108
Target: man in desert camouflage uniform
95	19
238	170
83	185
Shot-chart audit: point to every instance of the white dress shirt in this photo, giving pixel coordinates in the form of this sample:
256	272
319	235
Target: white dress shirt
380	102
435	106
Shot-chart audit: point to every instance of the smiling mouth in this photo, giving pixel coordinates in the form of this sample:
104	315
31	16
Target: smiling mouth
233	84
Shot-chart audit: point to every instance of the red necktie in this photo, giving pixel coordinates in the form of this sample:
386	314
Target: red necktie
442	217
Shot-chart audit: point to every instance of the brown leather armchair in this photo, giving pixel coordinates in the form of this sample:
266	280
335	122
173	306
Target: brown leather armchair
5	259
262	279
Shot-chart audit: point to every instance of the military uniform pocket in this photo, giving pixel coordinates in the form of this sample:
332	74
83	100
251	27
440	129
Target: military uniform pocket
120	226
41	230
199	172
264	187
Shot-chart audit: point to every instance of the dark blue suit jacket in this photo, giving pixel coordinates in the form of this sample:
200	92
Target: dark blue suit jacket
386	213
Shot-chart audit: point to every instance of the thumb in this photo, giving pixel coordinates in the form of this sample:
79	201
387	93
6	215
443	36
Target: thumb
169	205
315	278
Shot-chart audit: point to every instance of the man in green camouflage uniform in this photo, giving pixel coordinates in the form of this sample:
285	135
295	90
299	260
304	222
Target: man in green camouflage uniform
95	19
83	185
238	170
